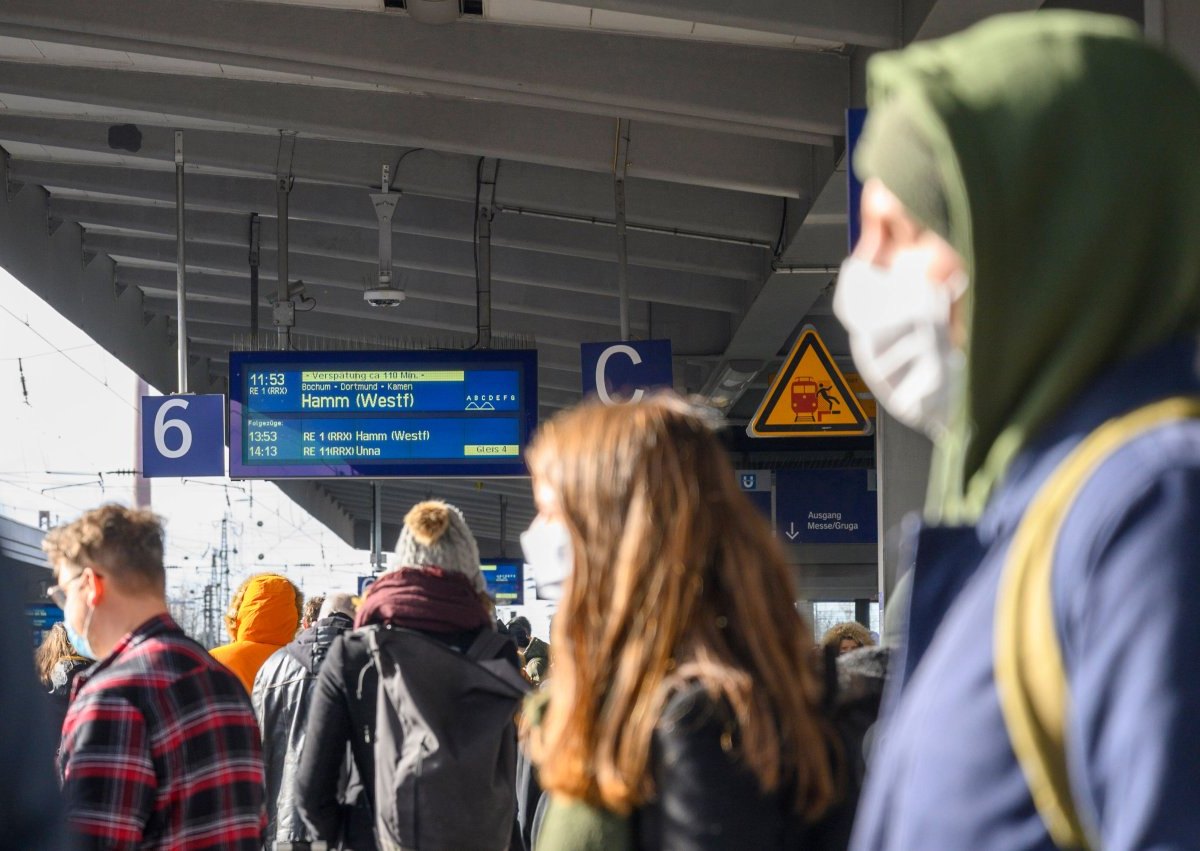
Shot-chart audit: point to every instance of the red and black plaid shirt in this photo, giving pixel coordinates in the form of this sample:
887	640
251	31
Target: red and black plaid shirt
161	750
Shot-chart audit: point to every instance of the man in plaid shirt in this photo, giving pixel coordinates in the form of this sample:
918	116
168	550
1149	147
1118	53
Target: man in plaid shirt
160	747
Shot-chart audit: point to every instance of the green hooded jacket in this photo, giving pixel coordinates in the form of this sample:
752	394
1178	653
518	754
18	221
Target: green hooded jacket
1072	193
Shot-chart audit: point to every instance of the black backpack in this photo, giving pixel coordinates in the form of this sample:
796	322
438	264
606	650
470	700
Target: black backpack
445	742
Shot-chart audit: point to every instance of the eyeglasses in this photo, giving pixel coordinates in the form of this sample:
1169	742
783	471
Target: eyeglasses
58	593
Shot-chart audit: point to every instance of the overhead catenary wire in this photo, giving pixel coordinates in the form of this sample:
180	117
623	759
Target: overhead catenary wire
77	364
36	355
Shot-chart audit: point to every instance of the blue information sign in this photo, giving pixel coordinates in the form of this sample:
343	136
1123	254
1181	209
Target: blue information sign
505	579
183	436
41	619
379	414
855	118
756	484
826	506
365	583
622	371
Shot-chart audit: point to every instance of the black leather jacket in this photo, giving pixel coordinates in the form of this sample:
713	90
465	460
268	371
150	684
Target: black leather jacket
707	800
282	693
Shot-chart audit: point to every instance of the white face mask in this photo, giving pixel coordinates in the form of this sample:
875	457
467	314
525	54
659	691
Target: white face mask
548	552
899	324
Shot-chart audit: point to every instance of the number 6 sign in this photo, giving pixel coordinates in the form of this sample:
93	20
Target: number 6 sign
183	436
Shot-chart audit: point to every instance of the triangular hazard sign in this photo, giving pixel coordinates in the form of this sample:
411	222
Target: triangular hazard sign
809	397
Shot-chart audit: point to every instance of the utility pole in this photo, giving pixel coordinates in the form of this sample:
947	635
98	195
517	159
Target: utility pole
223	561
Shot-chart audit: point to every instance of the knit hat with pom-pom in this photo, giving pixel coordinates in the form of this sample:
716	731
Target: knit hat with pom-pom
435	534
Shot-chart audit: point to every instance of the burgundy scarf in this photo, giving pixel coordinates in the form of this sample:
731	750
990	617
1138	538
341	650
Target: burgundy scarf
425	598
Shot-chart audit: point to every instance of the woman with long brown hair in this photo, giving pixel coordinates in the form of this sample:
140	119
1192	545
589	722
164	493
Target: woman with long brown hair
58	663
682	712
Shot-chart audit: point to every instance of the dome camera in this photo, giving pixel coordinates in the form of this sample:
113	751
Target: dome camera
383	296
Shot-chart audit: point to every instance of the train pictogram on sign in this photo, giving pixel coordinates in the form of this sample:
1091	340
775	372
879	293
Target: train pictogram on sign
809	397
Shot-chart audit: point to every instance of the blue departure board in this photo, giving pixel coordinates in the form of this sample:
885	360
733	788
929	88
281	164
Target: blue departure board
380	414
505	579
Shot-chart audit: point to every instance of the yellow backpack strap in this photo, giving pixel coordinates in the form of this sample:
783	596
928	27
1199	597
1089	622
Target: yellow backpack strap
1030	678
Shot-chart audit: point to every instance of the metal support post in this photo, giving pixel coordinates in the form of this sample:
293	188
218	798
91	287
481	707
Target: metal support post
255	231
377	527
862	612
385	203
485	211
284	314
620	168
141	485
503	525
180	260
483	288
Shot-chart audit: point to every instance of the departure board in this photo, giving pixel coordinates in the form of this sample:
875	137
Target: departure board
505	580
380	414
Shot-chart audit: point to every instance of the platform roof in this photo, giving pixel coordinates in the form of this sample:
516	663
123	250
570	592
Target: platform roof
735	198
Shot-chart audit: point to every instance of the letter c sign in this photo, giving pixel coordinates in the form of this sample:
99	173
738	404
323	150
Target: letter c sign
618	372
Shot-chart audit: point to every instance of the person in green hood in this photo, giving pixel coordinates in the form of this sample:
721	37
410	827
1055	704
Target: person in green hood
1027	291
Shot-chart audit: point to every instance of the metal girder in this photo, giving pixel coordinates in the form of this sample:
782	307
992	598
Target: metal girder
337	205
572	239
785	299
874	23
54	267
651	202
230	286
733	88
356	317
434	268
415	253
551	356
677	154
421	173
926	19
476	498
318	502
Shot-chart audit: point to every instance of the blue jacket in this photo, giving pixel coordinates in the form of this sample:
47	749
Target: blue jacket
1125	586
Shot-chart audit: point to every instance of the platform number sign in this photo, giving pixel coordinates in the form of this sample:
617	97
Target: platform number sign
625	372
183	436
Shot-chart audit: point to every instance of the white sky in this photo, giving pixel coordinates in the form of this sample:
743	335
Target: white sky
72	423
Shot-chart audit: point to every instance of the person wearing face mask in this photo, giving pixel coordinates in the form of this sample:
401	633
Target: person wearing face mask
156	725
1027	291
684	708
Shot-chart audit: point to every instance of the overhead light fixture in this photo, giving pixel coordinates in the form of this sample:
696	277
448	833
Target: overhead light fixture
729	382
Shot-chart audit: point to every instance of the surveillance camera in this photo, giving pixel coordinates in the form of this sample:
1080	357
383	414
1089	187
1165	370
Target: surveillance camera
383	296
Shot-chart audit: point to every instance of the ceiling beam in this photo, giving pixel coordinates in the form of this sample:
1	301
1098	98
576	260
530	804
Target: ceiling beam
433	267
357	318
874	23
420	173
52	265
816	242
686	155
562	358
445	258
233	288
926	19
732	88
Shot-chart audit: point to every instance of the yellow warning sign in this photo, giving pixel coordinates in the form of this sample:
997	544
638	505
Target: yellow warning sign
810	397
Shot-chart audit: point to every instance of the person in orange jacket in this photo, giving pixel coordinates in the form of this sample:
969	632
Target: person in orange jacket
262	617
